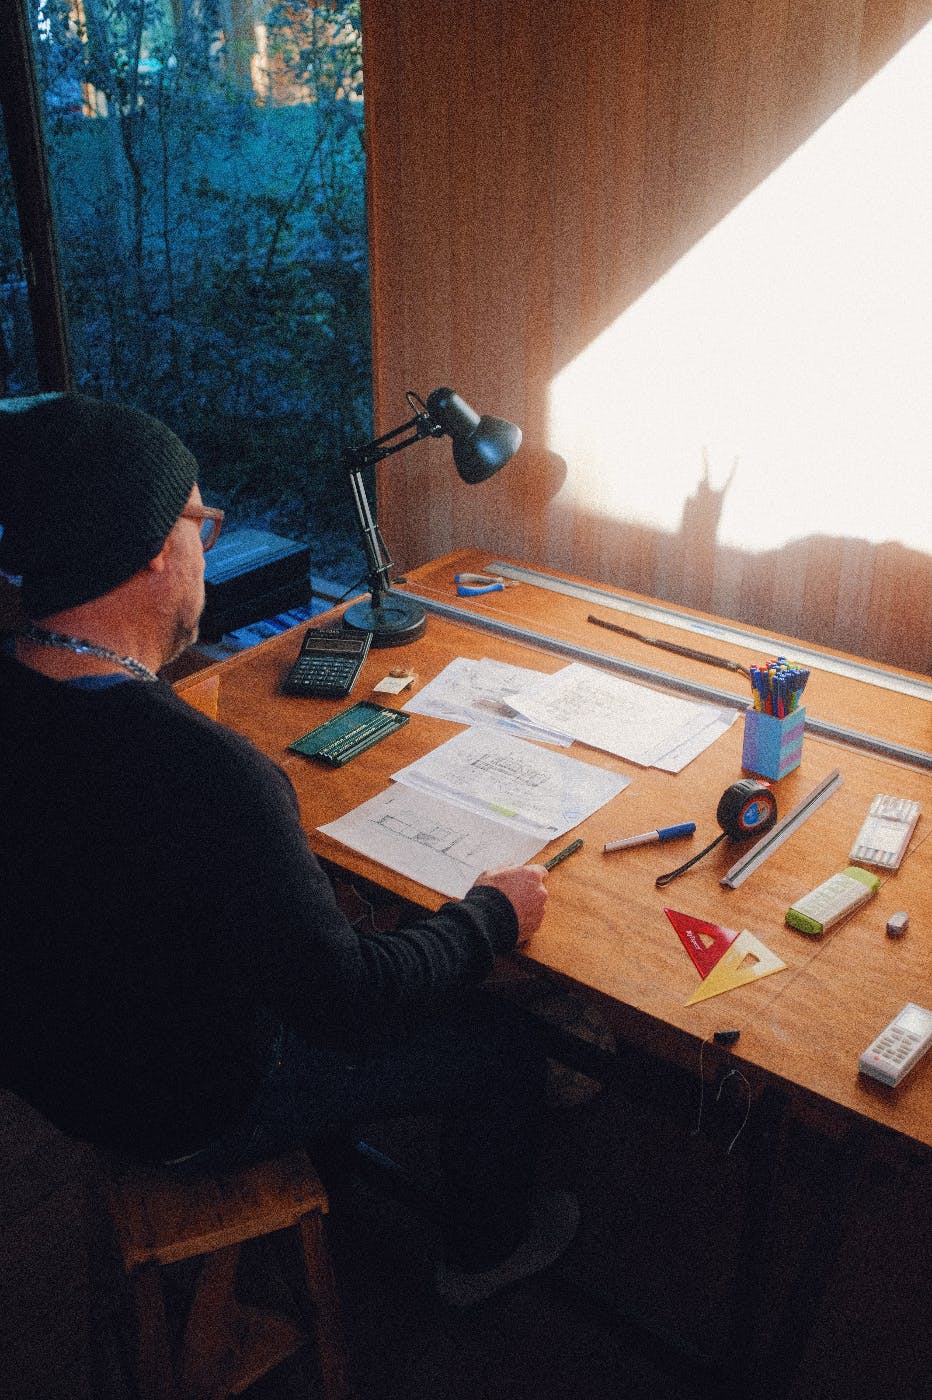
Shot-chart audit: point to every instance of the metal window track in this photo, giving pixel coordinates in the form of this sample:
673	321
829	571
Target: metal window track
484	622
838	665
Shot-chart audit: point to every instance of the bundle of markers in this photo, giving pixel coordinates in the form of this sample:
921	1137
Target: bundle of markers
778	685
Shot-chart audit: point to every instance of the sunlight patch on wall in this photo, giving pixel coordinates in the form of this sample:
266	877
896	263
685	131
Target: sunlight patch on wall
795	339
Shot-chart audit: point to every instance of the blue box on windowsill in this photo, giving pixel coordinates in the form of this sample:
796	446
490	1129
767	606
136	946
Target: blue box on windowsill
250	575
772	747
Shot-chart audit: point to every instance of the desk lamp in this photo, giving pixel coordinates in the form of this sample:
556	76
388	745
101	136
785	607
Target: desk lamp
481	446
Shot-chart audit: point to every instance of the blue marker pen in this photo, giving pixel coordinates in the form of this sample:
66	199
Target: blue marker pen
663	833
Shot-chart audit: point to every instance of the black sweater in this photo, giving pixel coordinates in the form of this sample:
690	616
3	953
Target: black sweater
156	893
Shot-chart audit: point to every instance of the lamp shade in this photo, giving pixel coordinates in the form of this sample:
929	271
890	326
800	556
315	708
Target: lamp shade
481	446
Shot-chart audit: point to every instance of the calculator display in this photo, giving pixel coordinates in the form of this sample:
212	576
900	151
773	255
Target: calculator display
913	1020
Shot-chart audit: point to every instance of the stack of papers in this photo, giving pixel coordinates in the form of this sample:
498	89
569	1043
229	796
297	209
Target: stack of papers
516	784
488	798
439	844
645	726
482	800
479	692
633	721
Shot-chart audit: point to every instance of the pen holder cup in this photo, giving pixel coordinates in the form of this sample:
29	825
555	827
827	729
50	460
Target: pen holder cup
772	747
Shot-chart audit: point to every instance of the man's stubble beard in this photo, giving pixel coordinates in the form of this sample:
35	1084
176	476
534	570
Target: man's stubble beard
184	635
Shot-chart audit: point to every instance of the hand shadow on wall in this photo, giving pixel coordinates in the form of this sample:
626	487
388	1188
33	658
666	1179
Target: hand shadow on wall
871	599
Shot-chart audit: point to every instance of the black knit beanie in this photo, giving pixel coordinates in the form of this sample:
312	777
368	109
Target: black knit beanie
89	492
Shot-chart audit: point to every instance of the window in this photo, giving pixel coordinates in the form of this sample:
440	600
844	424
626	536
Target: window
207	168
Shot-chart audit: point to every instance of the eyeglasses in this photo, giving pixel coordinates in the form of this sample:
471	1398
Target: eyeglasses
210	519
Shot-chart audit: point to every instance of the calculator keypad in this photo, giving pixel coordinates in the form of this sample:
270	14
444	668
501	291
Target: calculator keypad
324	671
899	1046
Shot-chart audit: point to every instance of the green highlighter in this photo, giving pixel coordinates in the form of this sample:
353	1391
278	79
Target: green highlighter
832	901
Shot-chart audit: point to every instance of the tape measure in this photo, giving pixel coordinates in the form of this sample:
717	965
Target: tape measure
747	808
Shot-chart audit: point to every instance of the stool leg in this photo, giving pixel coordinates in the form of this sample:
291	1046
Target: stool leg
322	1288
210	1353
228	1344
155	1376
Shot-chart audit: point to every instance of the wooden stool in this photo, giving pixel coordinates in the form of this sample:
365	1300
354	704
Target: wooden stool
162	1219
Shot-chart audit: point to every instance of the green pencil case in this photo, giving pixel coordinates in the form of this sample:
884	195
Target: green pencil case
349	733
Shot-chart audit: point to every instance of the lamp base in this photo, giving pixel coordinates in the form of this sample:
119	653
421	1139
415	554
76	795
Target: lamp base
394	621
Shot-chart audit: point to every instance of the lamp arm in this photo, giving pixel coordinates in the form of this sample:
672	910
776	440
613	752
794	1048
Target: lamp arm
480	447
420	426
378	558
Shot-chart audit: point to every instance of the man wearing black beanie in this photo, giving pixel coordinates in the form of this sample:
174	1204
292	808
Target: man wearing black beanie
179	983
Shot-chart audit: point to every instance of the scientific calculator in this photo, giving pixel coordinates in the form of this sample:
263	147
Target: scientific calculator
328	663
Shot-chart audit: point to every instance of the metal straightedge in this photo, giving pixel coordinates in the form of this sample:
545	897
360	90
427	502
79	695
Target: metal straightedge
485	622
850	667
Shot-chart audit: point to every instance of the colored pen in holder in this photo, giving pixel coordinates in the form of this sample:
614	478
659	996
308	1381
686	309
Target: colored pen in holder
773	729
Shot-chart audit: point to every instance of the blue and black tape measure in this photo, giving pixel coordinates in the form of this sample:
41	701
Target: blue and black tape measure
747	808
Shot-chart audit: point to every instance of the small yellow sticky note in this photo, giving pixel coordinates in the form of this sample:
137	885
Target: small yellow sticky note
393	684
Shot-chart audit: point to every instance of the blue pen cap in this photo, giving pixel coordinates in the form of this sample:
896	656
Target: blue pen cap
669	833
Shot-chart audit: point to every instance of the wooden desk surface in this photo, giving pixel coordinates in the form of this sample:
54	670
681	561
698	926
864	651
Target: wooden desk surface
605	927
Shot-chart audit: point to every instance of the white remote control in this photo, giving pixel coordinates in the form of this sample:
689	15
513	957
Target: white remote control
831	901
884	836
899	1047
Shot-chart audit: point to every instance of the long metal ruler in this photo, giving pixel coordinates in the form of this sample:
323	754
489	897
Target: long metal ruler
656	612
485	622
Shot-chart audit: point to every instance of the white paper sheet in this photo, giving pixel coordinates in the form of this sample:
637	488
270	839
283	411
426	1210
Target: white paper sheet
633	721
437	843
519	784
478	692
718	722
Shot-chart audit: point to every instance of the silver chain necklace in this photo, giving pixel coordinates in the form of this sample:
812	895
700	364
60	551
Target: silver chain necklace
62	642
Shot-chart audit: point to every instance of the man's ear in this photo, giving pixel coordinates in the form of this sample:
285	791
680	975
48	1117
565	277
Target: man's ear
159	563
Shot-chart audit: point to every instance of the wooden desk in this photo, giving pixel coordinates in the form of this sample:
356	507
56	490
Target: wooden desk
605	929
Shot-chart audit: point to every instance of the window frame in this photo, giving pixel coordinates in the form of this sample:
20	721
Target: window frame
25	136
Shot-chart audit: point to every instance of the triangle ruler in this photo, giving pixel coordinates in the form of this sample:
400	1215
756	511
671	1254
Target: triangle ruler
723	957
704	942
745	960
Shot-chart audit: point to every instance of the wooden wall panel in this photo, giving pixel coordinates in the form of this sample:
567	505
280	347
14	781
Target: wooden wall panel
533	169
